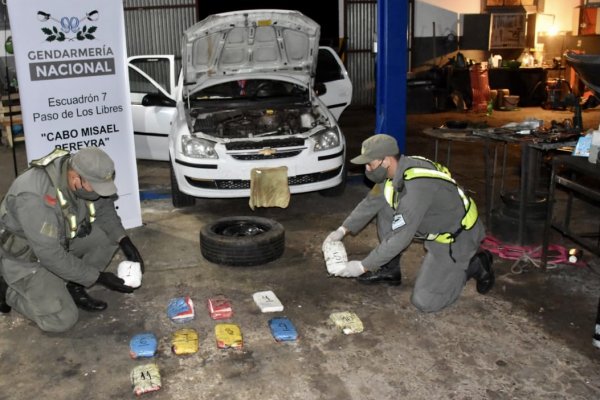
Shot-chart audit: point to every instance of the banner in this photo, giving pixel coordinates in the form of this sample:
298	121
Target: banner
73	85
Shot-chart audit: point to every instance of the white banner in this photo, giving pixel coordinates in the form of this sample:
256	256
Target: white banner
73	84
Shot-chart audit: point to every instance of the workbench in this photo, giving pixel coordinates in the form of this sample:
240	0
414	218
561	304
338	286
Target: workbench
576	175
532	148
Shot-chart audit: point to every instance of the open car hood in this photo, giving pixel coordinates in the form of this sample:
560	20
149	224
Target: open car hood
250	42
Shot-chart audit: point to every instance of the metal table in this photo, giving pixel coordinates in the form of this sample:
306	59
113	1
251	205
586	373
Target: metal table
449	136
532	147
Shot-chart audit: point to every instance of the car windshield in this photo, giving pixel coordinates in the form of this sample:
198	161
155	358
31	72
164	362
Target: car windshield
250	89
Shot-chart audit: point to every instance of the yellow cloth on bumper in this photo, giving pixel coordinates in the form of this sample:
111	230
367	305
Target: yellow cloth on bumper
269	187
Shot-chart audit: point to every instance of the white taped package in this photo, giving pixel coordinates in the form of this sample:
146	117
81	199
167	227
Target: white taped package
131	273
335	256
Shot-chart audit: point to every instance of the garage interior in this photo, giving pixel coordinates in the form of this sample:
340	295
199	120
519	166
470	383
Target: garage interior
529	338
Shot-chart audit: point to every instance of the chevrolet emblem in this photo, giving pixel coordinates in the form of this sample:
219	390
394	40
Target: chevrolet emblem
267	152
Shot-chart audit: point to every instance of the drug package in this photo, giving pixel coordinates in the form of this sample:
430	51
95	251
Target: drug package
267	301
143	345
185	341
145	379
335	256
229	336
219	307
347	321
283	330
181	309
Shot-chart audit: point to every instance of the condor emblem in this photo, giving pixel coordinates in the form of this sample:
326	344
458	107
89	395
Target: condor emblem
267	152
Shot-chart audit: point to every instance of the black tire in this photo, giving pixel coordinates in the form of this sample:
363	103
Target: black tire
242	241
337	190
179	198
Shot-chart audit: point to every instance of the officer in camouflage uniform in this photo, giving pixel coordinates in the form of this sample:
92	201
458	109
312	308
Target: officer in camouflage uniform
58	232
415	198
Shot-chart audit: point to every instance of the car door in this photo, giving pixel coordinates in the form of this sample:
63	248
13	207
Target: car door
332	73
152	87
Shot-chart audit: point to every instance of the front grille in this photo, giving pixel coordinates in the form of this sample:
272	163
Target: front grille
261	144
253	157
233	184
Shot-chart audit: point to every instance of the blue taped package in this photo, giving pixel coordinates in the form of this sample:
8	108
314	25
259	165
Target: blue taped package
181	309
282	329
143	345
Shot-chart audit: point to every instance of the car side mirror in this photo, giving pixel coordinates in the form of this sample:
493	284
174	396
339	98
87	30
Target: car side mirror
154	99
320	88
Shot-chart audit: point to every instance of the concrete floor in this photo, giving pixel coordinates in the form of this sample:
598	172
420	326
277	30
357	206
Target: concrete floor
530	338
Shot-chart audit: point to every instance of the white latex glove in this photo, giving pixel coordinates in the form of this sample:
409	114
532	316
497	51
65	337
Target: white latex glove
351	270
334	236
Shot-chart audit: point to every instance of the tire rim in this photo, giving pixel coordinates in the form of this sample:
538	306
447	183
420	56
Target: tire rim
240	228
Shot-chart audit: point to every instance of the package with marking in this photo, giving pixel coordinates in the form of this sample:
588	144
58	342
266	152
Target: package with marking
267	301
219	307
143	345
229	336
347	321
185	341
283	330
335	256
145	379
181	309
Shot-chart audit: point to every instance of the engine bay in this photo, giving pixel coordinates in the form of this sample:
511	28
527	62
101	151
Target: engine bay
250	123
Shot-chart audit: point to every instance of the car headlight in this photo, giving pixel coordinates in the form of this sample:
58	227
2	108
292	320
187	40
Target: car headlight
326	139
198	148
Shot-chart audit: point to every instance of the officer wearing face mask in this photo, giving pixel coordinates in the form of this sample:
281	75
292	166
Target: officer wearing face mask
415	198
58	232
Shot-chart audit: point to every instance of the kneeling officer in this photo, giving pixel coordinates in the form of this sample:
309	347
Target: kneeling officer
58	232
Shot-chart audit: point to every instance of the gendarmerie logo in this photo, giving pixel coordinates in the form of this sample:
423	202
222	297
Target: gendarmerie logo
64	63
70	28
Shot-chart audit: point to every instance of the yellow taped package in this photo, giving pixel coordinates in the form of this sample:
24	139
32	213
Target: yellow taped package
185	341
229	336
145	379
347	321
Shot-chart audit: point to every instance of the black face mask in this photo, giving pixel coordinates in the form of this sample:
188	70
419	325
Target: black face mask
85	195
378	175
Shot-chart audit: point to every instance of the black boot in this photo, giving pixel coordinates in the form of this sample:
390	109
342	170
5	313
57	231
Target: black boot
388	273
83	300
480	268
4	308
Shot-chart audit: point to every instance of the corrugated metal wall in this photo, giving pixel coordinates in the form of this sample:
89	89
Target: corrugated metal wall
361	30
156	26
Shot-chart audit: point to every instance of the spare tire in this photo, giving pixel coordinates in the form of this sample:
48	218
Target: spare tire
242	241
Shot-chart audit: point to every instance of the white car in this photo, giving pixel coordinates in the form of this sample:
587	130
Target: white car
249	95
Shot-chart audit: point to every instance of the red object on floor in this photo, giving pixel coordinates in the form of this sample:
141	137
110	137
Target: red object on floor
557	254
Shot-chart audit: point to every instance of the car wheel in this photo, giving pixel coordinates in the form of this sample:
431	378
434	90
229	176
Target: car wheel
337	190
179	198
242	241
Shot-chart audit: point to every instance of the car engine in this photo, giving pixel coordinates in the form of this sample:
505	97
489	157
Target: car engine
234	124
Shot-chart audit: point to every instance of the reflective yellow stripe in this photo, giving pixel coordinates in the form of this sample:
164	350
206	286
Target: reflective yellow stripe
91	211
468	220
388	193
72	219
47	159
438	166
61	199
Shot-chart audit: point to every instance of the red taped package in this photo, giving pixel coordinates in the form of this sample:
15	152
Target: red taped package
219	307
